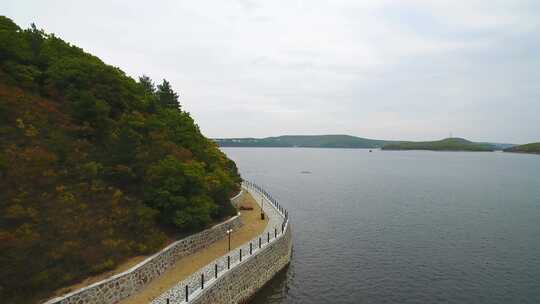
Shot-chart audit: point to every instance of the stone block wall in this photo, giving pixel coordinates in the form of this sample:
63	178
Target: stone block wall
241	282
235	201
125	284
231	279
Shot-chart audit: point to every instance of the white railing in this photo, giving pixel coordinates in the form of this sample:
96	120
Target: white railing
193	286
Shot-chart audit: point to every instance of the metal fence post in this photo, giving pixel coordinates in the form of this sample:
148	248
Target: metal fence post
250	248
187	293
215	271
228	262
202	280
259	243
240	254
268	237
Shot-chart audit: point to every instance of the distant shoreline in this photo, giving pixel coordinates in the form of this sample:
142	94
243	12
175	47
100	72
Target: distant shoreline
290	147
532	148
522	152
354	142
380	149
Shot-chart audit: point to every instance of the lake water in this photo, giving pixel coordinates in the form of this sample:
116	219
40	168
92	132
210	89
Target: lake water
403	226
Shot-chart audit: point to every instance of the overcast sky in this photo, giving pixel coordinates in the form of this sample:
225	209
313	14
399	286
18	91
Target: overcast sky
379	69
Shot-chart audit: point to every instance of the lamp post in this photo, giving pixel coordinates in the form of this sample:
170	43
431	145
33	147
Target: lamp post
229	232
262	206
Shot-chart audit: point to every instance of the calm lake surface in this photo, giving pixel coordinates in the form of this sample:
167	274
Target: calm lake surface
403	226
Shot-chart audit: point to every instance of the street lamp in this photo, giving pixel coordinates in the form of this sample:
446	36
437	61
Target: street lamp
229	232
262	206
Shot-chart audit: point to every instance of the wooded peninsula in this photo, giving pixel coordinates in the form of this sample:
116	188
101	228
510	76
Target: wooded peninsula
95	167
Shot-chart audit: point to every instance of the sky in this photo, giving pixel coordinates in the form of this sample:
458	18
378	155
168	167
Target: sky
407	70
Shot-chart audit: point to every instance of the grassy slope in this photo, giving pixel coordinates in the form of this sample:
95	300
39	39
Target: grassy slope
527	148
448	144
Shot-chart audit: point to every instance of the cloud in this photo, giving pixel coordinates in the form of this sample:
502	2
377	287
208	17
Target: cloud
409	69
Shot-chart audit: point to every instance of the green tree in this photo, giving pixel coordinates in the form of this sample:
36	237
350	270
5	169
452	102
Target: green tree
166	96
147	84
95	167
8	24
149	91
179	190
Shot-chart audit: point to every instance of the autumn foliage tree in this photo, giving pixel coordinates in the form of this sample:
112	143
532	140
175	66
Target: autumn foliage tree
94	166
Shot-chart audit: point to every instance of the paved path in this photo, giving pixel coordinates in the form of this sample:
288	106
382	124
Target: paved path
186	266
275	217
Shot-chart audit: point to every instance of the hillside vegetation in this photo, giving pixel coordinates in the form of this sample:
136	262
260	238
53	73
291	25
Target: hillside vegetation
448	144
94	166
527	148
306	141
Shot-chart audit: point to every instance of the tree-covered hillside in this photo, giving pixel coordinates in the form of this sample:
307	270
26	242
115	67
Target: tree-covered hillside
527	148
306	141
448	144
94	166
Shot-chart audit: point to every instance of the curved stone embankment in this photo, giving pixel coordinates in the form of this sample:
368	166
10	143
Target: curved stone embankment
236	277
242	282
125	284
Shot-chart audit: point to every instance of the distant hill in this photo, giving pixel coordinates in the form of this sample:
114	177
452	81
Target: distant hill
498	146
305	141
528	148
448	144
348	141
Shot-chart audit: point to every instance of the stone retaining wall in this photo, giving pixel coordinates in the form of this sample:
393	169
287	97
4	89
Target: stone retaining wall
240	283
125	284
231	279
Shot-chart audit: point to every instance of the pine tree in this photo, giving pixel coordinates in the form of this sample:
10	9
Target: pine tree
150	96
147	84
166	96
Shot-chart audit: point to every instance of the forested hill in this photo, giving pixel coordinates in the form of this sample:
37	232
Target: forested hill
448	144
527	148
307	141
94	166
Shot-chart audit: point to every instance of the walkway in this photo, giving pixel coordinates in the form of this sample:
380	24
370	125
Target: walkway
276	223
187	265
